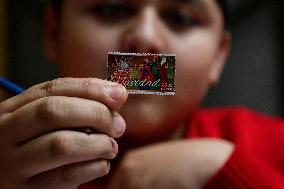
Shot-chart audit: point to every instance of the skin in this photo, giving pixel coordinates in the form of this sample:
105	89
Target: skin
49	116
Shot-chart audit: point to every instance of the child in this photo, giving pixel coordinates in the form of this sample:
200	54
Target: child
40	134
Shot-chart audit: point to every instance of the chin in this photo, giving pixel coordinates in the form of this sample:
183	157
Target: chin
150	119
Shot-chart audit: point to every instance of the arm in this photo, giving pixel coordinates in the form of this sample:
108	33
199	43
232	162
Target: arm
183	164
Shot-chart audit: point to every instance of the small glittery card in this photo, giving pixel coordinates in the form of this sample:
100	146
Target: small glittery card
143	73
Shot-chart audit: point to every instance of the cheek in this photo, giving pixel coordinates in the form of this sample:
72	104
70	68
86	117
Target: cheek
84	46
194	56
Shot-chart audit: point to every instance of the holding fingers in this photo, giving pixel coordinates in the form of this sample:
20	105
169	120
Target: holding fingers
38	133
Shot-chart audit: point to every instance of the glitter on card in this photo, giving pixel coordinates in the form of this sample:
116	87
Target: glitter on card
143	73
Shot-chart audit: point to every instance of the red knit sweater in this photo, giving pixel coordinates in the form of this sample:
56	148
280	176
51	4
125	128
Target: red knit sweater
258	159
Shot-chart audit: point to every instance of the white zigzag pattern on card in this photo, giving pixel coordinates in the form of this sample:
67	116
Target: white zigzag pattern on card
151	92
139	54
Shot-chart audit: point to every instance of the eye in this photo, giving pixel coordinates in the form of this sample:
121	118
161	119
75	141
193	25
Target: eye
179	20
113	12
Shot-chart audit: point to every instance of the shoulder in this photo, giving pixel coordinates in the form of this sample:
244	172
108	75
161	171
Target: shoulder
235	114
233	122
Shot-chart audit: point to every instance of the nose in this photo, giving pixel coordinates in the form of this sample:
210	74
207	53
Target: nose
145	34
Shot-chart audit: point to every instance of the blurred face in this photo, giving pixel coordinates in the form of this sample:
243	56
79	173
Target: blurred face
192	29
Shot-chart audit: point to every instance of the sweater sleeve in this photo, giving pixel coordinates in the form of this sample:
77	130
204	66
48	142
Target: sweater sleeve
257	161
243	171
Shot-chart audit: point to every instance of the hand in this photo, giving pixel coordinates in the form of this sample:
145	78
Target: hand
40	142
185	164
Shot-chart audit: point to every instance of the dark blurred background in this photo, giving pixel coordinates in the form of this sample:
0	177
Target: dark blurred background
253	76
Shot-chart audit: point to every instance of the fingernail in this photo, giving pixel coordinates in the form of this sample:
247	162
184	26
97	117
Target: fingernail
114	145
119	124
115	92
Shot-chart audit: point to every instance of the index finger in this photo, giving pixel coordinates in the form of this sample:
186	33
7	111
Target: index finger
111	94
